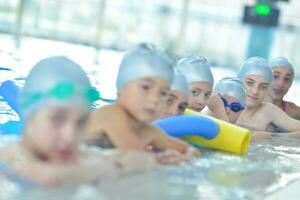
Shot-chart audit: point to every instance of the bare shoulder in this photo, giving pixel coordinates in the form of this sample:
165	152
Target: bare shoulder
269	107
274	112
293	107
108	112
293	110
264	109
104	119
292	104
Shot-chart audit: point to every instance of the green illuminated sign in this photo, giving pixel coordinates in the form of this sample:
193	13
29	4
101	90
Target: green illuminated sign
262	9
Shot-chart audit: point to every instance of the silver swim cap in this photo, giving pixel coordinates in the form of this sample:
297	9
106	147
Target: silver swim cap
283	62
255	66
232	87
195	68
257	58
56	81
180	84
144	60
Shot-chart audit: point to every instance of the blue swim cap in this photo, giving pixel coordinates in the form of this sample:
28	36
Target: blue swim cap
144	60
255	66
195	68
55	81
282	62
180	84
232	87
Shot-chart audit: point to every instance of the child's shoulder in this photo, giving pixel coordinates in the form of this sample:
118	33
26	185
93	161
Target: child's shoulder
270	109
293	110
108	111
292	105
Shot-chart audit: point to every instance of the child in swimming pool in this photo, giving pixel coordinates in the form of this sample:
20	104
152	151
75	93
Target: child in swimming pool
231	94
283	75
55	104
143	84
197	71
261	116
177	101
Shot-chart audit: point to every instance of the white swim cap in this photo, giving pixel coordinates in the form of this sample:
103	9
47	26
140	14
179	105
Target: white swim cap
55	81
282	62
180	84
195	68
255	66
232	87
257	58
144	60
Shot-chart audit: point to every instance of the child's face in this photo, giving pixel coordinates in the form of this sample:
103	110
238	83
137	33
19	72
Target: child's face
145	98
282	81
232	113
177	102
257	89
199	95
54	133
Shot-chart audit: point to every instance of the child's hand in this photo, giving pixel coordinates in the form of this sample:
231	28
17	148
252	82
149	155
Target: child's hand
192	152
216	106
134	160
171	156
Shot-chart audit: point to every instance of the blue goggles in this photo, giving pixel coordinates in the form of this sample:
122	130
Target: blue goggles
234	106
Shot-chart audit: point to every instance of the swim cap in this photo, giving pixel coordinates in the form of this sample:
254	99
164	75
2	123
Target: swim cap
195	68
180	84
257	58
282	62
255	66
144	60
232	87
56	81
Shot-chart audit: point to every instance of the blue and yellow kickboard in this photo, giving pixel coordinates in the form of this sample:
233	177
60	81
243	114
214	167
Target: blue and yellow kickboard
10	92
202	130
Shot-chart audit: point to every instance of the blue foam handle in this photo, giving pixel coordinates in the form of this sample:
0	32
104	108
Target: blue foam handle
10	93
188	125
11	128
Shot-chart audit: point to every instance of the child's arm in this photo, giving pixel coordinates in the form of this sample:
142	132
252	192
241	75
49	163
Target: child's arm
216	106
96	166
115	123
260	135
163	141
295	134
280	119
294	110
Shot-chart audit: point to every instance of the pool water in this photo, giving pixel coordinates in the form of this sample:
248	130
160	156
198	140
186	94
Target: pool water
267	167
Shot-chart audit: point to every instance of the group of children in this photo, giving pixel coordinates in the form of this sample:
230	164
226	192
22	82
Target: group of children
60	127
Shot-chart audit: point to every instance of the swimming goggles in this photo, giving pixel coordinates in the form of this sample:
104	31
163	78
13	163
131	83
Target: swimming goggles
64	91
234	106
